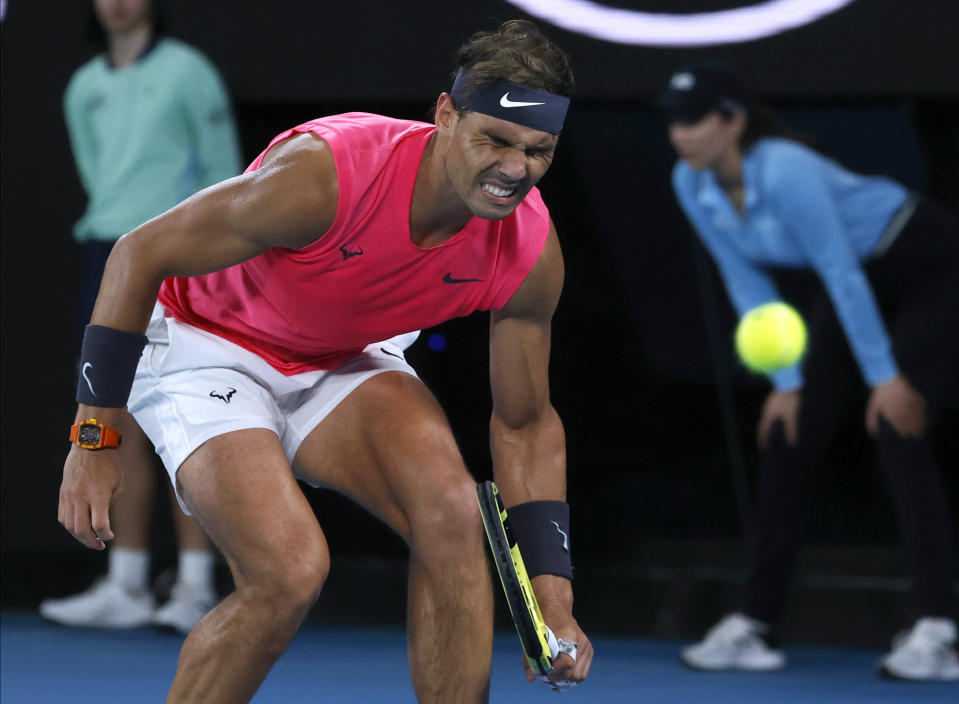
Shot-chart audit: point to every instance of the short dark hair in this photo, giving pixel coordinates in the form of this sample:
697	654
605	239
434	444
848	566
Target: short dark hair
515	51
97	35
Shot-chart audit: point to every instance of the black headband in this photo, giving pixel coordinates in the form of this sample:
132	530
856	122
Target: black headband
512	102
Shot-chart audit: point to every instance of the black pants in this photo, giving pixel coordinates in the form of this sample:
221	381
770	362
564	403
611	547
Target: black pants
916	283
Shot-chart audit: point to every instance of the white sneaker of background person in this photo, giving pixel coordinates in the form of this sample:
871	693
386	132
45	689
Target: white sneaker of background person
107	604
187	605
122	599
735	643
925	652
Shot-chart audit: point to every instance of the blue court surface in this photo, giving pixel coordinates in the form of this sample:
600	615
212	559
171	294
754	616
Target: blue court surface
44	664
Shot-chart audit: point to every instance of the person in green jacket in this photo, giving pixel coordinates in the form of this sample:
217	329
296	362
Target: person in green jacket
150	123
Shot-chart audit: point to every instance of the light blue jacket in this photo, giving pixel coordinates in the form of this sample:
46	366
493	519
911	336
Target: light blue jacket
800	210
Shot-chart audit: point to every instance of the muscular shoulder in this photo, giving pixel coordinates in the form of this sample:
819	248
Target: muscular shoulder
307	148
368	131
363	142
302	172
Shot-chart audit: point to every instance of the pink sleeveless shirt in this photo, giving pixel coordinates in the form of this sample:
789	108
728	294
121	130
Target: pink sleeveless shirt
364	280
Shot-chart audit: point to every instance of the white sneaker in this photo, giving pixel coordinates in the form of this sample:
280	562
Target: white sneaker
733	644
106	604
926	652
187	605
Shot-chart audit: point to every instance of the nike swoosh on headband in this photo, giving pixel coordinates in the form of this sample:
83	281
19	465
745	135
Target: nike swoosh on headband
546	111
507	103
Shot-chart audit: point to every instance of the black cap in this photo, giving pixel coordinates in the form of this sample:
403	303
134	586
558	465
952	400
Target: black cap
696	90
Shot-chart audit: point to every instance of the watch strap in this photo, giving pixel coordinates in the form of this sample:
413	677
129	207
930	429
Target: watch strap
109	437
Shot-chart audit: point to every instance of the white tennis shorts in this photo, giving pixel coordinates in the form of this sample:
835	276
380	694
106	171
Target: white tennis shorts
191	385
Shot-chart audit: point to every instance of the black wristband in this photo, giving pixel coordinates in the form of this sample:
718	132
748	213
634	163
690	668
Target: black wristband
541	530
108	362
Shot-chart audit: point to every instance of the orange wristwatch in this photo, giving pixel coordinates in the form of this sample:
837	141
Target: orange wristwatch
91	434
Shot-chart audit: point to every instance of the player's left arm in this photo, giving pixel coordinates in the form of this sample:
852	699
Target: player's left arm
527	440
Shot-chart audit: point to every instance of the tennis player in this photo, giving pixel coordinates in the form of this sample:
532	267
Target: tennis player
261	325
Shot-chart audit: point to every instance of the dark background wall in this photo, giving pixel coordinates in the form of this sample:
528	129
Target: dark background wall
652	453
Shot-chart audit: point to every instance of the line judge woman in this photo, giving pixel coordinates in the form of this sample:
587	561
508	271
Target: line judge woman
887	319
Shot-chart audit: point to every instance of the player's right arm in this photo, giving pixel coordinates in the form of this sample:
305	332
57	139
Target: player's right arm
289	202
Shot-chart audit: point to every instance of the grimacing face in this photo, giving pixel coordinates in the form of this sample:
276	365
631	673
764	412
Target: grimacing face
492	163
702	144
121	16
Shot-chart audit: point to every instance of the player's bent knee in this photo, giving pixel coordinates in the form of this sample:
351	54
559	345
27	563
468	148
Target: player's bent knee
292	582
446	525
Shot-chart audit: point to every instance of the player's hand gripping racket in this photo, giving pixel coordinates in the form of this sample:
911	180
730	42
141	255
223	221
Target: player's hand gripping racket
530	626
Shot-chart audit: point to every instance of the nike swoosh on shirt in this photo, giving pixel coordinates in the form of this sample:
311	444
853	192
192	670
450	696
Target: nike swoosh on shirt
507	103
448	279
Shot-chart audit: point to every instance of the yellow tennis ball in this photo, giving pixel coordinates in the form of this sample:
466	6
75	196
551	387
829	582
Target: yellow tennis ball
771	337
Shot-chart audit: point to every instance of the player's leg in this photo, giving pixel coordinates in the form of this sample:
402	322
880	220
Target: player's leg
189	534
211	410
240	489
194	592
388	446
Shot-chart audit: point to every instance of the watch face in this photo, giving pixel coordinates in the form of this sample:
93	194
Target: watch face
89	435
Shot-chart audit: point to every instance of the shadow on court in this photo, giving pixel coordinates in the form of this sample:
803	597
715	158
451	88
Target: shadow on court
44	664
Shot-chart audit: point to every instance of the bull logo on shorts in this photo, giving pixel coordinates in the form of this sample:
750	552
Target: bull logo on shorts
227	397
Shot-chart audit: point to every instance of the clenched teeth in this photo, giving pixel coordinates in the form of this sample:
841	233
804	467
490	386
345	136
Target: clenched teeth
499	192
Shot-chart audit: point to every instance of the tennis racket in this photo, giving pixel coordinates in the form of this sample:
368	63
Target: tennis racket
530	626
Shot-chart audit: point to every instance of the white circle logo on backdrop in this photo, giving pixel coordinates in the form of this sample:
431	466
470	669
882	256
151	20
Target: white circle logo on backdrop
696	29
